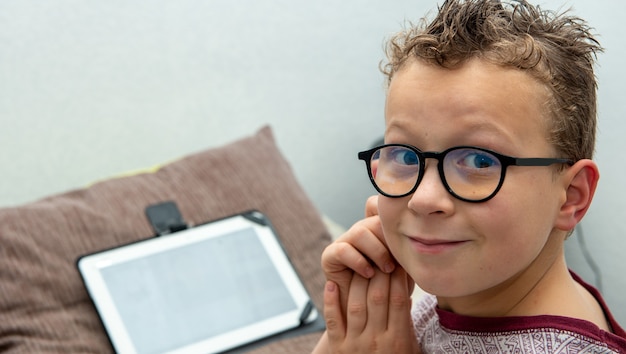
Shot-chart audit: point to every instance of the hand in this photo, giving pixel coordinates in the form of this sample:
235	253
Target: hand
378	318
361	247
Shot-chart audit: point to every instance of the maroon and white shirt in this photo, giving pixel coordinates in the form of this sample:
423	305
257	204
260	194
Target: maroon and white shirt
440	331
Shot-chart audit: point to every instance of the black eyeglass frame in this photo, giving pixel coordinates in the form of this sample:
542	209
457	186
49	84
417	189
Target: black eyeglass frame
505	161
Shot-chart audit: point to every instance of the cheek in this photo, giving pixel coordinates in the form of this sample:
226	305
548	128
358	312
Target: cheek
519	227
503	247
390	210
511	218
533	205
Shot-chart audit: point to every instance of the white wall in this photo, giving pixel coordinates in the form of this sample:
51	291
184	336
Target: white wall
91	89
604	229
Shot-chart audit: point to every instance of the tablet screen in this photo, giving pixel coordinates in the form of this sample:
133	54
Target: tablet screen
195	290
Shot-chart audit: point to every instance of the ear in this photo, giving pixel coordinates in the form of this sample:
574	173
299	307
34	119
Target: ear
580	181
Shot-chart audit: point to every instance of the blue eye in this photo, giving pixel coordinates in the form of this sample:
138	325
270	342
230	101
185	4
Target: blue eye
480	161
404	156
470	159
474	159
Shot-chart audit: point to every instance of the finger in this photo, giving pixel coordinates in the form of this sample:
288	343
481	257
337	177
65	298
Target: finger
410	284
371	206
399	301
373	224
356	311
355	251
367	236
372	244
378	302
339	262
335	323
341	256
336	265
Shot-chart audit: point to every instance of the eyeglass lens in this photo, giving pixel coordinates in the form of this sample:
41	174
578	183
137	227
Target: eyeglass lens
469	173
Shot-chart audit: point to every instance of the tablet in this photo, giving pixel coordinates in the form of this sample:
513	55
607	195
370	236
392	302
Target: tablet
205	289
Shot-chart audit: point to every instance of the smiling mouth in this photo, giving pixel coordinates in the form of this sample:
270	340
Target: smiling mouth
434	246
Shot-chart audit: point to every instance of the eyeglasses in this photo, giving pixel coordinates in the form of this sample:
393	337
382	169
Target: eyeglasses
469	173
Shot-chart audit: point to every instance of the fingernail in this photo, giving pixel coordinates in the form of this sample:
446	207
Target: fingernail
389	267
330	286
369	272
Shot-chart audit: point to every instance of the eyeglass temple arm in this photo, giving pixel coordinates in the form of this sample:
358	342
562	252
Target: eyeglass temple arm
540	161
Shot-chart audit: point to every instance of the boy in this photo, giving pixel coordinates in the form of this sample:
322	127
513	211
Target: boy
486	169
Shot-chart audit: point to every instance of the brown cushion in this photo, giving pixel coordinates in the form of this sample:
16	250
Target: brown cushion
44	307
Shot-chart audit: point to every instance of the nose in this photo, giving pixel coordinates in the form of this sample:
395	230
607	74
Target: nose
431	196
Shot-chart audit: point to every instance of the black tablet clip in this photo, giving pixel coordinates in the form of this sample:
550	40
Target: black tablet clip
165	218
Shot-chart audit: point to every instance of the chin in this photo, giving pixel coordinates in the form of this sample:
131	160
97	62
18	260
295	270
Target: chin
449	283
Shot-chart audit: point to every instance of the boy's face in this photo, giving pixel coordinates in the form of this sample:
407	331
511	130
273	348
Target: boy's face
453	248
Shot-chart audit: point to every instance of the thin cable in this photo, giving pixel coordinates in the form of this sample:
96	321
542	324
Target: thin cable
597	273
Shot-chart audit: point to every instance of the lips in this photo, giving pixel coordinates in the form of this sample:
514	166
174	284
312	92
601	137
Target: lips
434	246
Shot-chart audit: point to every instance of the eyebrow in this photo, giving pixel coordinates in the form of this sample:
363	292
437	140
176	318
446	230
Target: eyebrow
478	125
488	125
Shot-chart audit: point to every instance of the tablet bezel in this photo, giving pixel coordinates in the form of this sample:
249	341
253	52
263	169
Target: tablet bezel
90	267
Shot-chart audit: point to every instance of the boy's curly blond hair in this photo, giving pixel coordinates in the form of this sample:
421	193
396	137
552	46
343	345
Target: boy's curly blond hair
557	49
